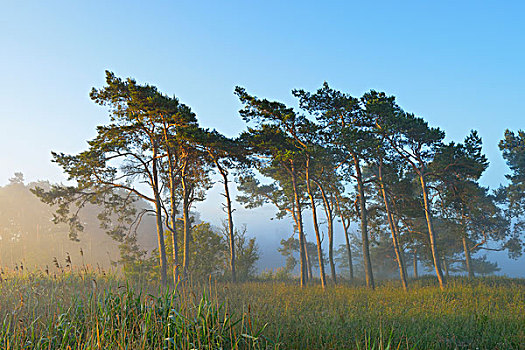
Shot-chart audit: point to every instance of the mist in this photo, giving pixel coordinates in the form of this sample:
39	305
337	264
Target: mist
30	240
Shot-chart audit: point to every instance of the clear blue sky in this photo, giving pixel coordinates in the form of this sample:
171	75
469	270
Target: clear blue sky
459	64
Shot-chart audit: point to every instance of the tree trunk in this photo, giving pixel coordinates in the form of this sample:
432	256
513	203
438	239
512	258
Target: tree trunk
299	227
186	238
468	261
330	218
230	222
369	277
431	233
316	227
160	227
173	203
186	223
415	264
310	275
174	236
349	252
331	250
403	256
347	239
393	230
445	266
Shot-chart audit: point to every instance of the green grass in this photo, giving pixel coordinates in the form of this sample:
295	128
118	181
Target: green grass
97	312
485	314
72	311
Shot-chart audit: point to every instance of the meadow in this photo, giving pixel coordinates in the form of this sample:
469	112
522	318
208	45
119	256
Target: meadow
81	310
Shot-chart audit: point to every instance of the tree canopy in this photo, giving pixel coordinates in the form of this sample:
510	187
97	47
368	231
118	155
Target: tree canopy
336	157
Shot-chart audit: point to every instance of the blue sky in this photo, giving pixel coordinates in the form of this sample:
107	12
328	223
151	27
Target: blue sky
459	64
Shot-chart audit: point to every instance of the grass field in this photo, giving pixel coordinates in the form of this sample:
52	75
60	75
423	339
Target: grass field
87	311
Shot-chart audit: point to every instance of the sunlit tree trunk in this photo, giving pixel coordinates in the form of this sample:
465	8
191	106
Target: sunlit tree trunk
330	219
302	250
393	229
186	221
316	225
158	214
174	236
172	164
347	239
468	261
431	233
310	275
369	277
415	264
229	211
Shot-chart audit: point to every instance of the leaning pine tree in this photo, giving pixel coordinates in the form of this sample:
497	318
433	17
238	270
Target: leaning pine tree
125	152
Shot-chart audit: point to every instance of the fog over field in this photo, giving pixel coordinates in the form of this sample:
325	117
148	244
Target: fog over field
29	236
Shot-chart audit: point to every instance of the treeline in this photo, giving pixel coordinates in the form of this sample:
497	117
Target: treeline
352	159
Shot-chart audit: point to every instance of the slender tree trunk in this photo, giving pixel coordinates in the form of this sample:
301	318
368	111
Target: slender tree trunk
175	248
347	239
160	227
186	238
186	223
349	252
369	277
431	233
330	218
393	230
316	227
229	210
331	250
174	236
466	249
445	266
299	216
310	275
307	267
173	203
402	250
415	264
468	262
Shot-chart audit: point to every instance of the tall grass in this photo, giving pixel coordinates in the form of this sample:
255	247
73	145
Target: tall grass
470	314
91	311
88	312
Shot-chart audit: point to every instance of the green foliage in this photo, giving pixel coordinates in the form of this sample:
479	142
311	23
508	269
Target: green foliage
281	274
210	253
335	147
484	267
125	161
287	249
513	149
247	255
290	248
207	249
513	195
135	262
